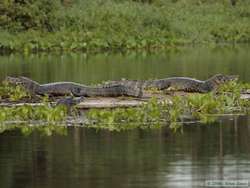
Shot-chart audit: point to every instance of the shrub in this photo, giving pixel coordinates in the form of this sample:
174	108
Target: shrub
20	15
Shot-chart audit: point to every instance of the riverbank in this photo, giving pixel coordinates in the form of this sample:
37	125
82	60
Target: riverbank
95	26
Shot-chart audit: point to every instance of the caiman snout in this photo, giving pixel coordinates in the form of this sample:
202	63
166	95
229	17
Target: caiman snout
220	78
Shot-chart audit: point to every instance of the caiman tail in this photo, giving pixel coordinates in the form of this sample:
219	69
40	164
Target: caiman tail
66	88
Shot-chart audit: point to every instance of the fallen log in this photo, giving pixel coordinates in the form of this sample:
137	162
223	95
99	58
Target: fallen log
111	102
107	102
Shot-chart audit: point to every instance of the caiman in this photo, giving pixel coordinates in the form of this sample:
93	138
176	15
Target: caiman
180	83
66	88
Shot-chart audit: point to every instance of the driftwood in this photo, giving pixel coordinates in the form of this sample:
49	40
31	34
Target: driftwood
90	103
100	102
113	102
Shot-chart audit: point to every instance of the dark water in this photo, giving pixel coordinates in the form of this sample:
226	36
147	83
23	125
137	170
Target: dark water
196	62
137	158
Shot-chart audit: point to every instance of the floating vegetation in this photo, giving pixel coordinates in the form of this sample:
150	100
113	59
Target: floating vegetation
13	93
154	114
148	115
44	118
43	111
27	112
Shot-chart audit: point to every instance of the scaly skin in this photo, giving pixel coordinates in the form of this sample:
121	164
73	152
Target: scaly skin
66	88
180	83
123	87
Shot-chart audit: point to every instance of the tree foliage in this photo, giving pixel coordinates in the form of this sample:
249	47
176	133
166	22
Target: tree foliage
20	15
97	25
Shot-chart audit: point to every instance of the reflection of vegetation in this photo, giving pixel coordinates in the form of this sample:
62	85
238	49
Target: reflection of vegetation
47	25
44	118
25	129
154	114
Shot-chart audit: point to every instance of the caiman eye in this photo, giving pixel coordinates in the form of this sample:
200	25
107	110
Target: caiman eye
77	90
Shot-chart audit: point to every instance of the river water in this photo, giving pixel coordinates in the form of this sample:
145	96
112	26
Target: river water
196	62
136	158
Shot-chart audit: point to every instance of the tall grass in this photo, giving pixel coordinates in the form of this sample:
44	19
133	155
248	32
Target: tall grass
125	24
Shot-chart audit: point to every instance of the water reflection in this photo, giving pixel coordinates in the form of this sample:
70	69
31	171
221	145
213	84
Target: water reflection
194	62
137	158
42	128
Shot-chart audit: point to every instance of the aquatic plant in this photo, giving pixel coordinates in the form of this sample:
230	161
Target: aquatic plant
28	113
43	117
14	93
148	115
43	111
154	114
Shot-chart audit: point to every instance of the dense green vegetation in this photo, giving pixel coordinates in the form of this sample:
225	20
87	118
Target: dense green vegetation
94	25
199	107
13	93
153	114
47	119
26	113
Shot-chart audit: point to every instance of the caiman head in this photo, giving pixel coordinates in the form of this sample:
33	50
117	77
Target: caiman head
215	81
12	80
27	83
